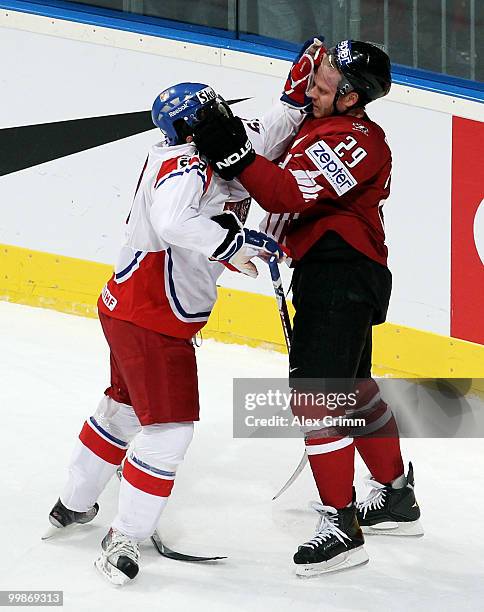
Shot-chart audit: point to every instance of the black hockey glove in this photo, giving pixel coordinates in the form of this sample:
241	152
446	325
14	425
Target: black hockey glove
224	141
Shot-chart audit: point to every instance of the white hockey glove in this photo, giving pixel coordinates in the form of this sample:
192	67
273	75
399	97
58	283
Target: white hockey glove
301	76
241	245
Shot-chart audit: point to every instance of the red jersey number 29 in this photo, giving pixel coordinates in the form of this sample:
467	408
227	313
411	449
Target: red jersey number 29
346	149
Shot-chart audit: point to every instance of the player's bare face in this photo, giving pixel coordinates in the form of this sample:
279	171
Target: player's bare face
324	89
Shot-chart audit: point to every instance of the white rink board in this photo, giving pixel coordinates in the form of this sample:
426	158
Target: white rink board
76	206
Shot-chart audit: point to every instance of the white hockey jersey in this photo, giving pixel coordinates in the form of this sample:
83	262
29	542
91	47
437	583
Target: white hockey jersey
164	279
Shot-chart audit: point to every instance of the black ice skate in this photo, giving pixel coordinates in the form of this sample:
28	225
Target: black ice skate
390	511
337	545
60	517
119	560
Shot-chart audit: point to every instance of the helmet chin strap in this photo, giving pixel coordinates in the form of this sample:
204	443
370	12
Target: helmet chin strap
335	102
347	110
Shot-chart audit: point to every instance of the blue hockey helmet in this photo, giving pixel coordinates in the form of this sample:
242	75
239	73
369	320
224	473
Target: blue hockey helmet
178	109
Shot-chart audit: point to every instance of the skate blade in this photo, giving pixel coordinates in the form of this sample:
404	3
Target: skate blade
51	532
357	556
392	528
56	529
111	573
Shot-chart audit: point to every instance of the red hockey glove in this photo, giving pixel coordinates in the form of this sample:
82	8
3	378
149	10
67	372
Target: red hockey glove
300	78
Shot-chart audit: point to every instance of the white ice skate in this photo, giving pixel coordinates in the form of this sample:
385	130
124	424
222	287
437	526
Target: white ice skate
119	560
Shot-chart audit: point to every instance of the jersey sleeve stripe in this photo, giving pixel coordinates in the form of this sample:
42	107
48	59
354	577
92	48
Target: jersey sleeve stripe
128	268
179	173
174	297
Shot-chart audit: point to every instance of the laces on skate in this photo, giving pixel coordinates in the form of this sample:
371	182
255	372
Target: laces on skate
120	546
376	497
327	526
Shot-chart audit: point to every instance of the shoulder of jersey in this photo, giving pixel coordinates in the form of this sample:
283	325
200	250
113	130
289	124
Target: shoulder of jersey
346	124
178	163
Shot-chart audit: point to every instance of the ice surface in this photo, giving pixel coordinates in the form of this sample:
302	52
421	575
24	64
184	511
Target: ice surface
53	370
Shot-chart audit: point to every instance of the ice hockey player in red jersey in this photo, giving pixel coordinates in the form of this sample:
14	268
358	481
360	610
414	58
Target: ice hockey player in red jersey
180	234
324	199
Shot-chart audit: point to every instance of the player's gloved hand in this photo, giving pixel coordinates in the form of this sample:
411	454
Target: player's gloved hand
224	141
301	75
241	245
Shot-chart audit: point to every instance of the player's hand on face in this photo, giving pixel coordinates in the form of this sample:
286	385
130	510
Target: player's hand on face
222	139
300	78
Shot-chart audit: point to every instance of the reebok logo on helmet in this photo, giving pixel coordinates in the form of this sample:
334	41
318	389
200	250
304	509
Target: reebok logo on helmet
180	109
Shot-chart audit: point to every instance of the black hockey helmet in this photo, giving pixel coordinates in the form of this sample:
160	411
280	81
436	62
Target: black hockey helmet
365	69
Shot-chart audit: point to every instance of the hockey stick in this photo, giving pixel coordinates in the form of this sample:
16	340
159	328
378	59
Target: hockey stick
164	550
281	301
287	329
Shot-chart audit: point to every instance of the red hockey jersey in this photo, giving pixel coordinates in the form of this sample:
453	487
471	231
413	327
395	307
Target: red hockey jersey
334	176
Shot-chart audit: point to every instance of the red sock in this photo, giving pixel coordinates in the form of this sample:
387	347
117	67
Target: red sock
332	461
378	444
382	455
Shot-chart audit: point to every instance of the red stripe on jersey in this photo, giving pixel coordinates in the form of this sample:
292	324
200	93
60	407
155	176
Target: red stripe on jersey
209	179
285	227
166	167
101	447
146	482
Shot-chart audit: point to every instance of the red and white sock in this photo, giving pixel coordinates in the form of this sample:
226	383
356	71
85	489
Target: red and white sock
101	447
148	477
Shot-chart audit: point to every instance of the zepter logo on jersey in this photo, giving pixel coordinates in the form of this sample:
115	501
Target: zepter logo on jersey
333	169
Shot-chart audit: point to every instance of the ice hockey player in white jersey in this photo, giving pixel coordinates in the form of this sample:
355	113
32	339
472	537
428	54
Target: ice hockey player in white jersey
181	232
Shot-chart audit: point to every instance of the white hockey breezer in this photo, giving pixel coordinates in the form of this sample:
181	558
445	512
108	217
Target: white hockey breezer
119	560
